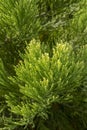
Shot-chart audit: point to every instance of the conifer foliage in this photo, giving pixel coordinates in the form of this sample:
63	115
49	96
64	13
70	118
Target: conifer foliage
43	65
18	24
44	82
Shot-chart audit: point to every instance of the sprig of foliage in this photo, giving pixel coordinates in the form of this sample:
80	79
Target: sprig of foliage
42	81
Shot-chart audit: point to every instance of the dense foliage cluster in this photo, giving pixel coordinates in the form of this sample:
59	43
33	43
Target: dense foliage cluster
43	65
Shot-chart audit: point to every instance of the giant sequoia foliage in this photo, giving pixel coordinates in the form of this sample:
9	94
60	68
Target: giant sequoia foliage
21	20
18	24
43	82
56	15
48	88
